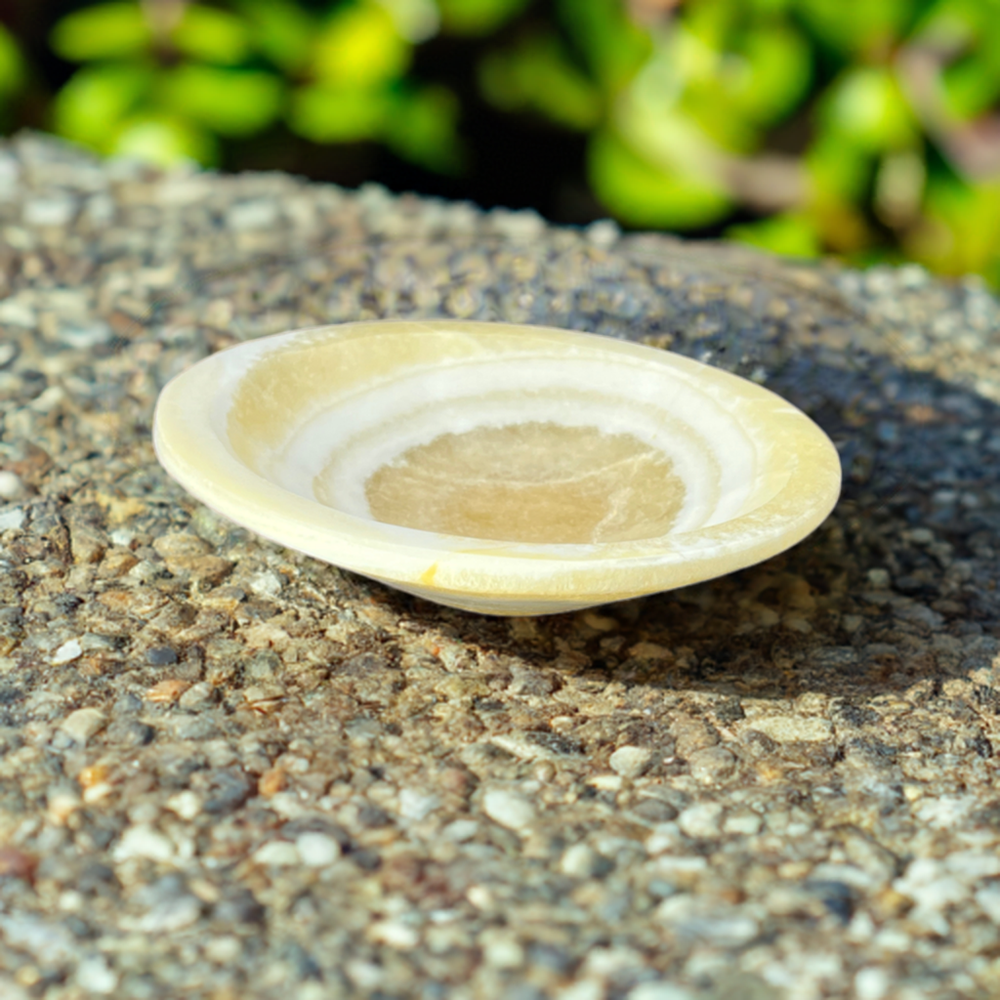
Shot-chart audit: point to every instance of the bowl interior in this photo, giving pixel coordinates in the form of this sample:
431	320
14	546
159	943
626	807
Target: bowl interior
522	435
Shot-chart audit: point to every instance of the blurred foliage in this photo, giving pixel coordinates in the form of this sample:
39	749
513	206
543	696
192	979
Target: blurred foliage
868	128
11	68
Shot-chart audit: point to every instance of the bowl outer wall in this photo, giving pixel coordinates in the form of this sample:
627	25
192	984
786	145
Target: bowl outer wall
475	572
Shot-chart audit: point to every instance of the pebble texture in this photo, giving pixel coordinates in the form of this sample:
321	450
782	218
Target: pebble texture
231	772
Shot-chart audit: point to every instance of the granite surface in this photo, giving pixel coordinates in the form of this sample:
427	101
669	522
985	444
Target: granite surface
229	771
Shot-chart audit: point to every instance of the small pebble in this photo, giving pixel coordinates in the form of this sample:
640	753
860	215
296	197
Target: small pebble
16	313
179	545
581	861
247	215
278	853
521	225
745	824
171	915
659	991
792	728
265	583
167	691
195	727
501	949
872	983
851	623
711	764
12	519
317	850
67	653
11	487
584	989
186	804
83	338
54	210
460	830
130	733
702	821
142	841
94	976
83	723
160	656
655	810
198	696
395	933
603	233
631	762
508	808
414	805
63	802
223	950
17	864
8	351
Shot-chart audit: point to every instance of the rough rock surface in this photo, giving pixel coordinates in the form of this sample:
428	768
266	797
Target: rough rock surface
229	771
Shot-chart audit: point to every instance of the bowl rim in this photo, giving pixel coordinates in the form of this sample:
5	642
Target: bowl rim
200	461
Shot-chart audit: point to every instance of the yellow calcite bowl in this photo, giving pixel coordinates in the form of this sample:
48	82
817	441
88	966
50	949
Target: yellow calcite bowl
510	470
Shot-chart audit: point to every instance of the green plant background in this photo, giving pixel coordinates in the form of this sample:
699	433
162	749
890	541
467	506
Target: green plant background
865	128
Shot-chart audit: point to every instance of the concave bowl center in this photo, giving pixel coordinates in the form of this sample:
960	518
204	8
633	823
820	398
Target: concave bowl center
497	468
503	437
534	481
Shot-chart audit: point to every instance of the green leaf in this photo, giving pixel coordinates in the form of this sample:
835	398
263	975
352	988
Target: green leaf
164	141
971	87
858	27
11	63
839	170
104	31
423	129
330	113
728	79
967	34
640	193
961	233
686	89
232	102
92	104
416	20
613	46
537	75
867	108
792	234
952	25
664	133
477	17
281	30
360	47
211	35
779	72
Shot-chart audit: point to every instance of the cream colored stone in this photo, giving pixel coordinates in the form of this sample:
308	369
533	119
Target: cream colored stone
631	762
793	728
508	808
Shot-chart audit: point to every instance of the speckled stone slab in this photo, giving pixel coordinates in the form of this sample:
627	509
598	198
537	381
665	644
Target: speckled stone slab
231	772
